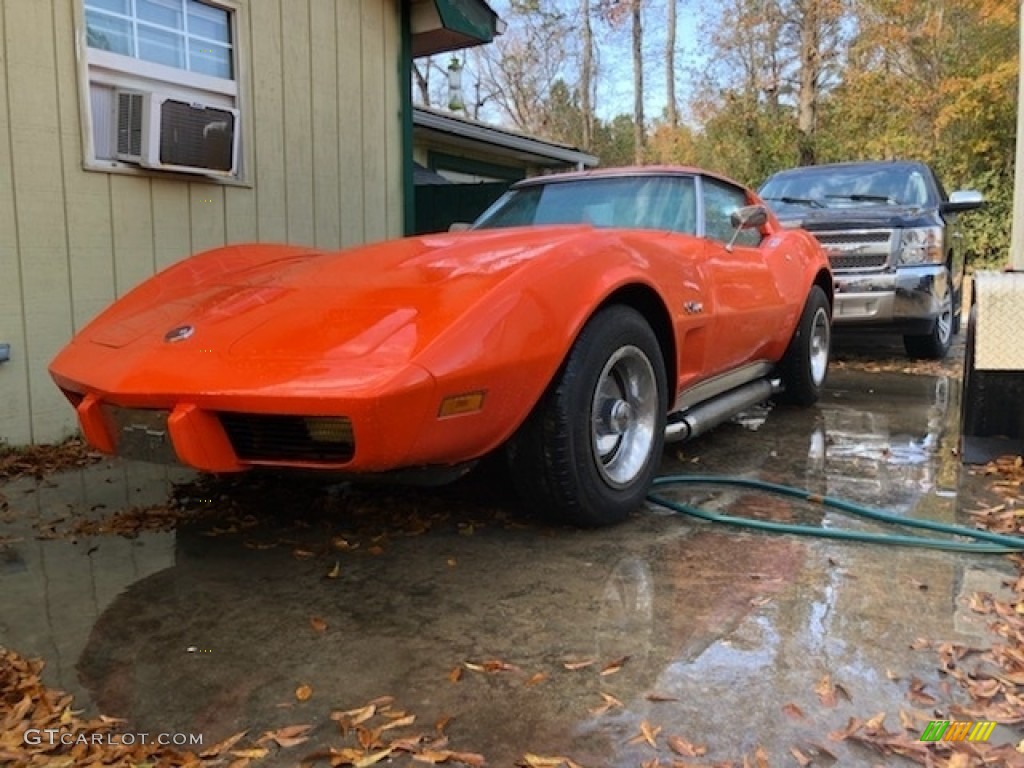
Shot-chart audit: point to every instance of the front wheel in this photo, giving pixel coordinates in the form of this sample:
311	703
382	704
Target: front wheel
935	344
805	365
588	452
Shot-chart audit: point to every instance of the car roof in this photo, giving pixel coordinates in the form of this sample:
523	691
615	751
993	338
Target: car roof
629	171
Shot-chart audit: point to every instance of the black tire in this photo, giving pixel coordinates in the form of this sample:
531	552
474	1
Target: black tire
935	344
588	452
804	367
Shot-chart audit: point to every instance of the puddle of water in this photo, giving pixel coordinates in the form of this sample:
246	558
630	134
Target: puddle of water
730	626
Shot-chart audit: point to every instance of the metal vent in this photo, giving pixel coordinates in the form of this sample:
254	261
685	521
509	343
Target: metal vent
129	125
196	136
277	438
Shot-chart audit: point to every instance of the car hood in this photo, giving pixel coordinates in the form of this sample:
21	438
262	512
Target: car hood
861	217
389	299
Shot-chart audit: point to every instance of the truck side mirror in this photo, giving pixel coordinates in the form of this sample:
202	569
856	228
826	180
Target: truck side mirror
963	200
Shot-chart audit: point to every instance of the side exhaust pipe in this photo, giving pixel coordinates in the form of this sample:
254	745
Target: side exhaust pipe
711	413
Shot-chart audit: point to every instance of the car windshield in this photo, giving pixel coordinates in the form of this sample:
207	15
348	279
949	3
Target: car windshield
645	202
851	187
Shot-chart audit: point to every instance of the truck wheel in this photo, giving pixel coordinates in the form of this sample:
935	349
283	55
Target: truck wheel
933	345
588	452
805	365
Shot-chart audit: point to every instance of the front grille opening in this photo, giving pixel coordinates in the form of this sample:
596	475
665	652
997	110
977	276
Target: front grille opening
856	250
271	437
75	398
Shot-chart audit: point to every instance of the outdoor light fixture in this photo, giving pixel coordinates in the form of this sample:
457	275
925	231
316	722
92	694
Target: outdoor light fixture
455	102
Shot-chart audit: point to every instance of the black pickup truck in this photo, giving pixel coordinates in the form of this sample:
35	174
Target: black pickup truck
894	240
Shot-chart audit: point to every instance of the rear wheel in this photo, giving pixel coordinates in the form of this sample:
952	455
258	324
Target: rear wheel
935	344
804	367
588	452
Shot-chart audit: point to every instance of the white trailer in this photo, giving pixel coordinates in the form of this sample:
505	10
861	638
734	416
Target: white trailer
993	395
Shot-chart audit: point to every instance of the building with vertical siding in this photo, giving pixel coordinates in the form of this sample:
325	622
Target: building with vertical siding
134	133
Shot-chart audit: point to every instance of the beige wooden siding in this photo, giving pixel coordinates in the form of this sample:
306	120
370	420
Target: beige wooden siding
320	100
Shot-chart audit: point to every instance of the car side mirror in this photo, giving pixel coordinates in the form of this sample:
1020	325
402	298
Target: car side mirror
747	217
963	200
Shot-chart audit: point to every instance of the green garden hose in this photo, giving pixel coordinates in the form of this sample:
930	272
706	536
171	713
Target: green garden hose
996	543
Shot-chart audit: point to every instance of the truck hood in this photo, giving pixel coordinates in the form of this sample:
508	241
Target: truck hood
862	217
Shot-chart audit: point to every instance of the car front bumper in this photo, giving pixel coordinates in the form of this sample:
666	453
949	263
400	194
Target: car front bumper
908	300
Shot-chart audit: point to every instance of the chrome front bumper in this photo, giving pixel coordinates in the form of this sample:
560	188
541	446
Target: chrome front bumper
905	301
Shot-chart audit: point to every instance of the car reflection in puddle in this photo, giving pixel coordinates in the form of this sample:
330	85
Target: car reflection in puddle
704	631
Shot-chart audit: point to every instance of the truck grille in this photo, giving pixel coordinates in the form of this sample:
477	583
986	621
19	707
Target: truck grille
857	249
269	437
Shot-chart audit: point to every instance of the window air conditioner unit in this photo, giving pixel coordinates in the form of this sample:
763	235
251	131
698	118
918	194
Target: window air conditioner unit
172	134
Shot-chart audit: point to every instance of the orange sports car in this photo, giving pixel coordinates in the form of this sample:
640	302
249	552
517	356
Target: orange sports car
583	320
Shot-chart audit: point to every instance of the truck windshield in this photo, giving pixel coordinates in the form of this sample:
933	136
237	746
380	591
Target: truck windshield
847	187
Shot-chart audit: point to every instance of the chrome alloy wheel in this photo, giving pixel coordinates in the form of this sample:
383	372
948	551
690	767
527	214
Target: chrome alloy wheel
821	330
624	415
944	323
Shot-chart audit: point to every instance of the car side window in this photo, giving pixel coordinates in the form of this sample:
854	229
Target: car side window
721	200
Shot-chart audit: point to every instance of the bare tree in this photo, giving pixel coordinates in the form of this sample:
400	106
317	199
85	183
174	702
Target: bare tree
517	71
586	75
636	14
670	66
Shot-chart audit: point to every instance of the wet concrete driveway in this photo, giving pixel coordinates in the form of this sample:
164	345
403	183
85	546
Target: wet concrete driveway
282	601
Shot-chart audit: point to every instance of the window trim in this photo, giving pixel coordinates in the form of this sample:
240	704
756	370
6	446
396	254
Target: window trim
178	82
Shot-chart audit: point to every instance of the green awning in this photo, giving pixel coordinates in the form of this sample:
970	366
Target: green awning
449	25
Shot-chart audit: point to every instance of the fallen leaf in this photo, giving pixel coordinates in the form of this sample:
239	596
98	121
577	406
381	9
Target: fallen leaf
826	691
302	554
793	711
540	677
761	757
800	757
472	759
399	723
374	758
432	756
613	666
542	761
289	736
318	624
455	675
223	746
335	572
256	753
660	697
572	666
876	722
609	703
647	734
303	693
685	748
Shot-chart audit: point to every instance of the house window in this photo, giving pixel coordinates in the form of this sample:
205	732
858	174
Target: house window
185	34
162	86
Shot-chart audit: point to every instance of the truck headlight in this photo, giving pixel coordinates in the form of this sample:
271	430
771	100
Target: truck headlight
921	245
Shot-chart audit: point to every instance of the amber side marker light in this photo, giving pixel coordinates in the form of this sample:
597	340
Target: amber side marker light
457	405
329	429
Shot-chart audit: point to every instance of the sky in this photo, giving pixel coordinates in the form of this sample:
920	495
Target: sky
615	83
